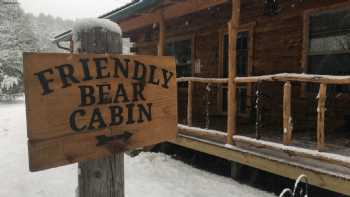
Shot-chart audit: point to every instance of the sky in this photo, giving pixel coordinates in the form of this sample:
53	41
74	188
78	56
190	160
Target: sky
71	9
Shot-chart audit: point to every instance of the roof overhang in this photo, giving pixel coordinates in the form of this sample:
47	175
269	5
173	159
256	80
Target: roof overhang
134	15
115	15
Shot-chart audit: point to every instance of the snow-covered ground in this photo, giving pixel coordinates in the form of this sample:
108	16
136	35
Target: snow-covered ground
149	174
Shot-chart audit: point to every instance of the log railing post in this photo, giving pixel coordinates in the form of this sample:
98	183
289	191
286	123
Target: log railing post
232	86
189	103
103	177
321	112
287	118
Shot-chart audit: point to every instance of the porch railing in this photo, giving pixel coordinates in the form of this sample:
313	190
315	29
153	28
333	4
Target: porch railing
287	78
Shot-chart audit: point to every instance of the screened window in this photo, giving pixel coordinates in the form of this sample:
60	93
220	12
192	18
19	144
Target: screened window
329	46
182	50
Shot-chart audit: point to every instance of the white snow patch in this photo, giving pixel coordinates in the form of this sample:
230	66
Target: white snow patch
229	146
90	23
127	45
8	82
147	175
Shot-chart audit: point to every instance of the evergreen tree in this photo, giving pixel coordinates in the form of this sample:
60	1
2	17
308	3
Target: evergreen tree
16	37
21	32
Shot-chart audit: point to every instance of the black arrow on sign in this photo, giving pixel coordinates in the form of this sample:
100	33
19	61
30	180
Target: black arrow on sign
116	143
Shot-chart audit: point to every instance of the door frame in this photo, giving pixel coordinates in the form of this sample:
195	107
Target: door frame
250	28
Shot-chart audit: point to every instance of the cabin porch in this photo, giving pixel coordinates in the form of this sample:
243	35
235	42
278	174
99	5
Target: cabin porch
286	124
337	143
263	118
261	141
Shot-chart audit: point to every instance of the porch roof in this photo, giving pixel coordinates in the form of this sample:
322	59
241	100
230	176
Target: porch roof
115	15
134	9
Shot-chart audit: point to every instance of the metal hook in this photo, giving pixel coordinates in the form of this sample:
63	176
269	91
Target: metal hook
296	186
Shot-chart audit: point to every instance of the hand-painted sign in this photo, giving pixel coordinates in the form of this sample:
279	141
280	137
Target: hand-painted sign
82	107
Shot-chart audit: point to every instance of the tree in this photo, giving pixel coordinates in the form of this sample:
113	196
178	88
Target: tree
21	32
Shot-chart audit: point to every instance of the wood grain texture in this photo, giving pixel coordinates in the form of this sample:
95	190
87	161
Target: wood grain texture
287	111
219	137
232	71
189	103
297	77
321	116
48	119
318	177
161	41
102	177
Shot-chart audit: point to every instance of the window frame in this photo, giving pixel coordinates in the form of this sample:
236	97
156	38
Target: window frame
306	38
250	28
183	38
306	31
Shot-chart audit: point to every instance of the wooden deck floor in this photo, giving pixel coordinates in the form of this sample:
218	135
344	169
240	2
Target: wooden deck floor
323	174
337	144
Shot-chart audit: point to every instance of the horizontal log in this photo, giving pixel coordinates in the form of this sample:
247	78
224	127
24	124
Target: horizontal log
212	135
297	151
219	136
203	80
284	77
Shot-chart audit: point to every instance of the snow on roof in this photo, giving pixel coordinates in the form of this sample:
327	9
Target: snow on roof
91	23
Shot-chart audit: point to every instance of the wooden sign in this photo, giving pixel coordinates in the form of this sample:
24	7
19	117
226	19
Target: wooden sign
82	107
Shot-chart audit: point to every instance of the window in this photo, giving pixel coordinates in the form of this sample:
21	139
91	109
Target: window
182	50
329	45
242	63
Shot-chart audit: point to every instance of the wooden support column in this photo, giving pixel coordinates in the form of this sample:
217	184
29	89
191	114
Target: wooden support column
103	177
189	103
161	41
287	118
305	50
321	113
232	86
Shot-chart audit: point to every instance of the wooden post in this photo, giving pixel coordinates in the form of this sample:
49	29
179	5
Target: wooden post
305	50
161	41
287	118
321	112
189	103
232	86
103	177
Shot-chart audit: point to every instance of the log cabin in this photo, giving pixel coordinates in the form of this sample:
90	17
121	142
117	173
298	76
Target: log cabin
264	83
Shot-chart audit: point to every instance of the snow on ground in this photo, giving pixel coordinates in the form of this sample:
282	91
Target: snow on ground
148	175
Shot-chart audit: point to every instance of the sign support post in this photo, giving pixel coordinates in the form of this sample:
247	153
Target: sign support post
103	177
